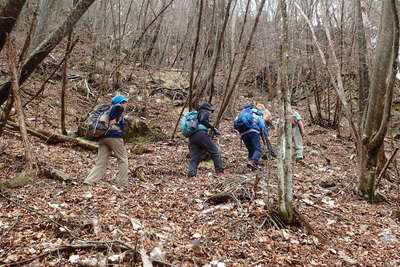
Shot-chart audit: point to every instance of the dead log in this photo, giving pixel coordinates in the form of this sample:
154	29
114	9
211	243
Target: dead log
54	138
53	173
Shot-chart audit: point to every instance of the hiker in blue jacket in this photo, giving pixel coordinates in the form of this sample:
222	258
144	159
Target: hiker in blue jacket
250	133
112	141
200	141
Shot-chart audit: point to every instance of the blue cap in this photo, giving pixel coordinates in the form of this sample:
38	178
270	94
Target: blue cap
118	99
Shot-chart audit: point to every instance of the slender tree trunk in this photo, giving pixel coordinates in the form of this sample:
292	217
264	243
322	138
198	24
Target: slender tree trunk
232	88
375	121
196	43
363	69
285	173
12	59
45	47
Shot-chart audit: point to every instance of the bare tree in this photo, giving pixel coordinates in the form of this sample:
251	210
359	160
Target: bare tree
285	172
45	47
363	69
375	122
12	59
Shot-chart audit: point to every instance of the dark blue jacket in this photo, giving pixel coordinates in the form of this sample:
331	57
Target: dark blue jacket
116	113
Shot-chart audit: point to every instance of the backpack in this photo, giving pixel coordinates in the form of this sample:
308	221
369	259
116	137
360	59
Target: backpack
245	120
189	123
96	124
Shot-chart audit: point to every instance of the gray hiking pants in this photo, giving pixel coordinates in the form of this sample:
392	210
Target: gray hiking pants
197	143
297	142
106	146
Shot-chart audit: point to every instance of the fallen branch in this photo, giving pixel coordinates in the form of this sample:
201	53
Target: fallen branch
87	245
324	210
54	138
39	213
9	229
53	173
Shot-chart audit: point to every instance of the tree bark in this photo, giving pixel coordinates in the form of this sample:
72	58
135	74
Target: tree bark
12	59
8	18
363	69
285	172
196	44
375	122
45	47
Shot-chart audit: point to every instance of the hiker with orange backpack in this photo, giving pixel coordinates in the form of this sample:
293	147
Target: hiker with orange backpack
250	127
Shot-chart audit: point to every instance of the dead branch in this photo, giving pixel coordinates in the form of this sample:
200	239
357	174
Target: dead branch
324	210
86	245
53	173
53	138
39	213
10	228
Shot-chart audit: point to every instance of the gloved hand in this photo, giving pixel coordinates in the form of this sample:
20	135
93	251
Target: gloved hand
217	132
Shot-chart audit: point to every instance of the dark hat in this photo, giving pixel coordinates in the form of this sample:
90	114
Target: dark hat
207	106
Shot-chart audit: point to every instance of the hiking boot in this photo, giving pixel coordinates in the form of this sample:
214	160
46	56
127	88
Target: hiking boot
252	166
220	174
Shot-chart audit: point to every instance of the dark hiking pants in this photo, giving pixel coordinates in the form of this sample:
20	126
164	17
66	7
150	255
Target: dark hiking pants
197	143
252	142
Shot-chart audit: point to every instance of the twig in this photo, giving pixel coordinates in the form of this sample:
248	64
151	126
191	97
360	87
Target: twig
10	228
378	180
89	244
324	210
41	214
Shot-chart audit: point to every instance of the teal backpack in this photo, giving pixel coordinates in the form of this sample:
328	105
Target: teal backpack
190	124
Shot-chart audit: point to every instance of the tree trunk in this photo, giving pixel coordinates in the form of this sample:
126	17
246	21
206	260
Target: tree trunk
196	44
12	59
363	78
285	173
232	87
45	47
8	17
375	122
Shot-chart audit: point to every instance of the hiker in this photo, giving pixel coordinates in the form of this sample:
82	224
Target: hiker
269	123
200	141
251	126
298	134
112	141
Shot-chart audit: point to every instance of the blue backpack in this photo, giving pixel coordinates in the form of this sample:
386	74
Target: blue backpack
189	123
245	120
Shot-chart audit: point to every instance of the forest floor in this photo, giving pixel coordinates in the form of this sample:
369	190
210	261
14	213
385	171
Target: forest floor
171	218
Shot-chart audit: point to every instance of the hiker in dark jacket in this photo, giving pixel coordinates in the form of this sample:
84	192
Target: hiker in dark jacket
251	137
112	141
200	141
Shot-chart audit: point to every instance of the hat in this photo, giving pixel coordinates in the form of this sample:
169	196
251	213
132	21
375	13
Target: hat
207	106
260	106
118	99
247	106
